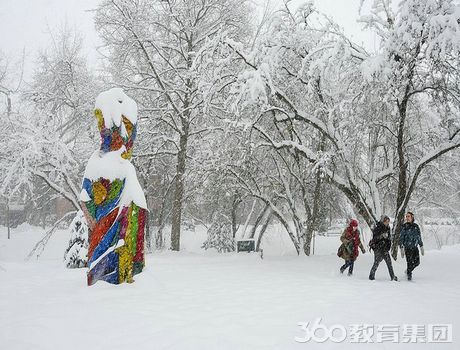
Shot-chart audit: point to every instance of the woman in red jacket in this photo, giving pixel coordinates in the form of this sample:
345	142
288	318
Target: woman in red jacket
349	248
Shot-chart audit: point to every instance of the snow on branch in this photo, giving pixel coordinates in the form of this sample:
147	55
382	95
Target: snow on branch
39	247
428	158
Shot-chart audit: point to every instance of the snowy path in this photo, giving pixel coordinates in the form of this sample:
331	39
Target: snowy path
210	301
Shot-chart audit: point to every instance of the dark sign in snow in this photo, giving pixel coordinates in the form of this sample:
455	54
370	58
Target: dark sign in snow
246	245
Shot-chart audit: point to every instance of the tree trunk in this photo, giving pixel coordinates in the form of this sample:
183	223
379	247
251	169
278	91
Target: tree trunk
161	224
285	223
259	218
397	228
402	178
248	218
148	237
178	194
307	240
312	223
262	230
236	202
8	216
184	117
159	238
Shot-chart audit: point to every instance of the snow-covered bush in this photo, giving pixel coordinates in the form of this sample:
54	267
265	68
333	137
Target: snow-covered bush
220	237
76	254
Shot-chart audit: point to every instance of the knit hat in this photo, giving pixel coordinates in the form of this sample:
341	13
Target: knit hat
354	223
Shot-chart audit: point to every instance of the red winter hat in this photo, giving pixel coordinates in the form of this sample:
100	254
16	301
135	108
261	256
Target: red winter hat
354	223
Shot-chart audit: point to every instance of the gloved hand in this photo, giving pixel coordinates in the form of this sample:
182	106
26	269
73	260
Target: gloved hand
363	251
422	250
402	252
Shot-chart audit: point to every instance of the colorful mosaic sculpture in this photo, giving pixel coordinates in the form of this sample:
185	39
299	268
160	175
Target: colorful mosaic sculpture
112	199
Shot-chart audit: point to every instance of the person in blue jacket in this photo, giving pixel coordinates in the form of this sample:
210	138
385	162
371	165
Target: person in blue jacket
410	239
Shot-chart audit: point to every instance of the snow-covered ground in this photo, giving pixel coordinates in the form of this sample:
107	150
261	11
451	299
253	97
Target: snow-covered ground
204	300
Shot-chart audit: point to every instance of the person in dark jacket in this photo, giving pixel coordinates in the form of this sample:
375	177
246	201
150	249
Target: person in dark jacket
349	248
381	244
410	239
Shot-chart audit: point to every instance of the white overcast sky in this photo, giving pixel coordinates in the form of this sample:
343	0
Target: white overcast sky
25	24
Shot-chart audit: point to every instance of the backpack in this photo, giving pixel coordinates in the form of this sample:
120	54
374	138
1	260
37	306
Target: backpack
340	250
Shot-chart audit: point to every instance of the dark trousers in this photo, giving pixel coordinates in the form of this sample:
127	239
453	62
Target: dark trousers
378	257
348	263
412	259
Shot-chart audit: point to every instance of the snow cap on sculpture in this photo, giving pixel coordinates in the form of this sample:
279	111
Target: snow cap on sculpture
116	115
114	104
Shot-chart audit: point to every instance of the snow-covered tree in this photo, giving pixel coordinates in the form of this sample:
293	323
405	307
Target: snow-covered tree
52	133
416	73
76	254
307	76
10	85
161	51
220	237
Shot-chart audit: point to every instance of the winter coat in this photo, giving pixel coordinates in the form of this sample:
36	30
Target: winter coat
350	243
381	239
410	236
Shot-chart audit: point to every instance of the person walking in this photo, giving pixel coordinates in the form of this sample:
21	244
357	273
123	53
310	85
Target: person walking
381	244
410	239
349	247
